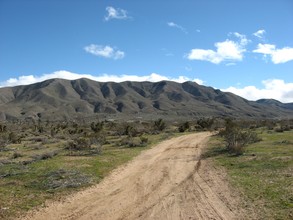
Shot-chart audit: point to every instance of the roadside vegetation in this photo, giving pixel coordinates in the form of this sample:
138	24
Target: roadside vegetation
43	160
259	160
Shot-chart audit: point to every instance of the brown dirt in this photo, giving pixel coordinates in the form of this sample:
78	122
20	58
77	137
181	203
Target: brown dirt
169	181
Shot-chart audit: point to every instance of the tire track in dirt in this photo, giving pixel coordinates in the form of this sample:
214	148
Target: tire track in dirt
164	182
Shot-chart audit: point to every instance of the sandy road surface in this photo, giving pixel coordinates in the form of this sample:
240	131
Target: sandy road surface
168	181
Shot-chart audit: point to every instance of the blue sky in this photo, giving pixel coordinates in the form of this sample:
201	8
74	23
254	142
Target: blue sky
245	47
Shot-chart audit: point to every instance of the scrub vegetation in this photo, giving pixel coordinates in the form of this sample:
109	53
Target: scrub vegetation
262	171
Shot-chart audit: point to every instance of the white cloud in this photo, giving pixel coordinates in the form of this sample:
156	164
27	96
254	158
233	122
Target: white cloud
226	51
277	55
273	89
104	51
243	39
153	77
265	48
172	24
115	13
259	34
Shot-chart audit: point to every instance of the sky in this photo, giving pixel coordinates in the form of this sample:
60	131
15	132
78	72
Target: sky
240	46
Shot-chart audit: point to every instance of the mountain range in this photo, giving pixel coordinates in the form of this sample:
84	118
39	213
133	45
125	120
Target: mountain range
57	99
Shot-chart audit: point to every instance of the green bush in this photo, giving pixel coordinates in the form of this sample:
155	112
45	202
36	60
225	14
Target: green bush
205	123
97	127
236	138
84	145
14	138
184	127
144	140
2	128
130	131
159	125
45	156
16	155
80	143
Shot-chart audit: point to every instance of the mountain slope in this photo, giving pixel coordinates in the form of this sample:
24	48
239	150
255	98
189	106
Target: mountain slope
59	98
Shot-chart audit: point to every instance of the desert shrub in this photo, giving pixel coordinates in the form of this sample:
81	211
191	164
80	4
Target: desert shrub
16	155
97	127
62	125
37	139
286	127
53	131
80	143
3	141
97	139
130	130
184	127
38	126
85	144
14	138
59	179
205	123
279	129
132	142
159	125
44	156
237	138
34	146
75	129
3	128
144	140
96	149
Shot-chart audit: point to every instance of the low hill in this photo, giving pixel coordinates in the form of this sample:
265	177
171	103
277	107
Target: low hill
63	99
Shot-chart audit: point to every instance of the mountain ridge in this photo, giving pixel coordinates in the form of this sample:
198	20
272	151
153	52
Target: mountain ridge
60	98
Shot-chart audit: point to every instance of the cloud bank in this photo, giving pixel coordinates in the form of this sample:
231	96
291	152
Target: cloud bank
273	89
153	77
104	51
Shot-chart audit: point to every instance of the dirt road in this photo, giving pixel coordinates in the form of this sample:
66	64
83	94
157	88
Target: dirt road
168	181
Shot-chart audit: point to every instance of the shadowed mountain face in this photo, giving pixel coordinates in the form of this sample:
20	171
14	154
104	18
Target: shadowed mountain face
59	99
